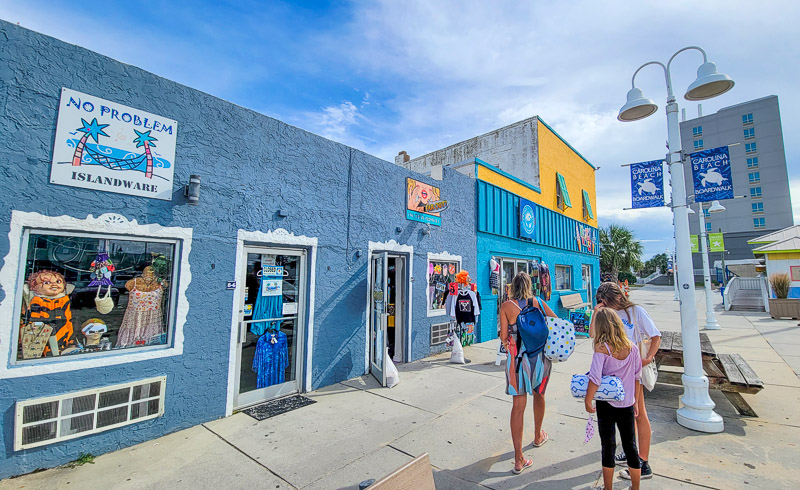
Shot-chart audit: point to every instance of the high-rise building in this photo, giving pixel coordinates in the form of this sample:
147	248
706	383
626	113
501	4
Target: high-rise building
752	131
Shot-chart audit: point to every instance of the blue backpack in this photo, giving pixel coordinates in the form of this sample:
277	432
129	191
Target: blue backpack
531	328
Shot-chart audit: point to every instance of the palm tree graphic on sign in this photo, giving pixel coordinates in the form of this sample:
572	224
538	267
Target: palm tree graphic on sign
144	139
90	130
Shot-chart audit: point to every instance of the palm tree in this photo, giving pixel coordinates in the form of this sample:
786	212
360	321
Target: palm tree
619	250
90	130
144	139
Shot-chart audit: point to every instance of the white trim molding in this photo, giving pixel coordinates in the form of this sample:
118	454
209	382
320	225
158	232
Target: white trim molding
437	257
390	246
108	223
280	237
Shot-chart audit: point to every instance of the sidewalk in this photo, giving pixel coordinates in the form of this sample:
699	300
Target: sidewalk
459	415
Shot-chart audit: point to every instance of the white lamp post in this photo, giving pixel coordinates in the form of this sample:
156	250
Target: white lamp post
711	318
697	410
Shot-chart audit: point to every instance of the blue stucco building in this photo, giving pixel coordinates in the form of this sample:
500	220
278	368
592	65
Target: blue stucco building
293	236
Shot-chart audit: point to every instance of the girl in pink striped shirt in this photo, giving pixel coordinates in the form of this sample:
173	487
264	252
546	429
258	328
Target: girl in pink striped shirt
615	355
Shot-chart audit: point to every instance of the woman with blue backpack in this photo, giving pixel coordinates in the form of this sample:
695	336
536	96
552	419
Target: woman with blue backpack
523	334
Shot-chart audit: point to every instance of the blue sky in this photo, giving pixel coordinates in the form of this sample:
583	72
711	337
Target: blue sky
386	76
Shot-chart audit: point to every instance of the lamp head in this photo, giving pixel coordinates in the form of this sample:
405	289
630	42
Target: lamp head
716	207
709	83
690	210
637	107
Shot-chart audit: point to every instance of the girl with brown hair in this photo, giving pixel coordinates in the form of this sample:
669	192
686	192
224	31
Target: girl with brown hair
522	380
638	324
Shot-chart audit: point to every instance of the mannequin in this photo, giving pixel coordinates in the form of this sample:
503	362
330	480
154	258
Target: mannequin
465	308
46	300
143	317
93	330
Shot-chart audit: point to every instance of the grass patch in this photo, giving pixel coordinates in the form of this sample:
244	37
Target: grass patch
82	460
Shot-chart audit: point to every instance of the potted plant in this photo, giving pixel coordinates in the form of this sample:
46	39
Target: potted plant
781	306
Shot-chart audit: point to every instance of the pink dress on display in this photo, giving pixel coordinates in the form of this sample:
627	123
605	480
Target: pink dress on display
143	319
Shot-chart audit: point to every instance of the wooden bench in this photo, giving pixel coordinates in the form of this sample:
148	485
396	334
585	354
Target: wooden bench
417	474
573	301
728	373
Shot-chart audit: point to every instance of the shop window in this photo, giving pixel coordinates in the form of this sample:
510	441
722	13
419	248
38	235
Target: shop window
747	118
697	131
440	274
587	207
562	195
752	162
58	418
749	133
88	295
563	277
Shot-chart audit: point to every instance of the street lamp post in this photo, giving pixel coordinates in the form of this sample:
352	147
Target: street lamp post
711	318
697	410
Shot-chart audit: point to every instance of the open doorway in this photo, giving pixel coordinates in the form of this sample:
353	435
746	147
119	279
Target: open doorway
388	318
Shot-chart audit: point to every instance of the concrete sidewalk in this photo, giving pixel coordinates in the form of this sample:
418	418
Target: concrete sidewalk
459	415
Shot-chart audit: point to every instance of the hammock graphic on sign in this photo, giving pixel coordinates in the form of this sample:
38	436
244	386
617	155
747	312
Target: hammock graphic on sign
114	158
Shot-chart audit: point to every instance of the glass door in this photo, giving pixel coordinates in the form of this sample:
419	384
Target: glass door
271	325
586	280
378	316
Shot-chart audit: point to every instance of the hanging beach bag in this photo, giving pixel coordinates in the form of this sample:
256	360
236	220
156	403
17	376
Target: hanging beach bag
610	388
560	339
104	304
649	372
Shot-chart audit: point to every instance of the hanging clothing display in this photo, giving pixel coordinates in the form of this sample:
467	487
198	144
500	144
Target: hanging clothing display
494	274
271	359
143	318
465	307
266	307
544	281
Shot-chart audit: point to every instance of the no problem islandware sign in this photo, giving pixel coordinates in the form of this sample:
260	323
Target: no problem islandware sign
110	147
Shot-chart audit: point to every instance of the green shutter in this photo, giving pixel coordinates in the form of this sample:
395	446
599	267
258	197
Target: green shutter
588	204
563	186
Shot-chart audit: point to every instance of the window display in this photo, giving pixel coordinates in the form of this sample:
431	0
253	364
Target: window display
86	294
563	277
440	275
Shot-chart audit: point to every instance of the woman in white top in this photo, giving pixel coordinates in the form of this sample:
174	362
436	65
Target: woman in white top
610	295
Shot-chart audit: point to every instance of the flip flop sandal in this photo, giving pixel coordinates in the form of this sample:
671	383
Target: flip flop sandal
528	464
544	441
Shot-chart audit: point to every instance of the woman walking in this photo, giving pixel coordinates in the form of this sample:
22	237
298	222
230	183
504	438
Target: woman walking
529	374
637	323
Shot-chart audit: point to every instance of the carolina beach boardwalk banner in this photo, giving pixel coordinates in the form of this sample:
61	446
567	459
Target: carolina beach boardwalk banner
711	174
647	184
106	146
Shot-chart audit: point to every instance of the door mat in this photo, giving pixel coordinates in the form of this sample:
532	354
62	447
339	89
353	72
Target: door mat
277	407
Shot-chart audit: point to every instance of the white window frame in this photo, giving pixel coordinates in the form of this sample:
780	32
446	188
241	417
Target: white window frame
708	227
747	118
752	162
758	207
759	223
697	131
750	147
569	276
753	194
438	327
117	226
437	257
698	144
749	133
20	410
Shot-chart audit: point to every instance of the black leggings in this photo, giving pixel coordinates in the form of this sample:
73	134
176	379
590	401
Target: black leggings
623	418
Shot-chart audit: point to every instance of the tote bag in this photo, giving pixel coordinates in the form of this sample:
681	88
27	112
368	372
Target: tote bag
649	372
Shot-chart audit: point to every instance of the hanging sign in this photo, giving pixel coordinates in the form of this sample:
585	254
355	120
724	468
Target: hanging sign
669	265
716	241
527	219
647	184
695	243
711	173
272	280
586	236
106	146
424	202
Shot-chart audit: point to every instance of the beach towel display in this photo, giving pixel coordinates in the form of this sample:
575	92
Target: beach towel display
271	358
560	339
610	388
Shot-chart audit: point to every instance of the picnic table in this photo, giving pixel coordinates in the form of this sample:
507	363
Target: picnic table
728	373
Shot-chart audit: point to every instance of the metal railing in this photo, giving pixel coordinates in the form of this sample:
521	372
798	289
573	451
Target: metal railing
648	279
765	292
730	290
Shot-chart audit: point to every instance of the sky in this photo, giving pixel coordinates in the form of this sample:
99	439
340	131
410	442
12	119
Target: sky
385	76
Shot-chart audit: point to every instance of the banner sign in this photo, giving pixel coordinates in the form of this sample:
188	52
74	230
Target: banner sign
717	244
711	173
111	147
424	202
695	243
527	219
647	184
669	265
